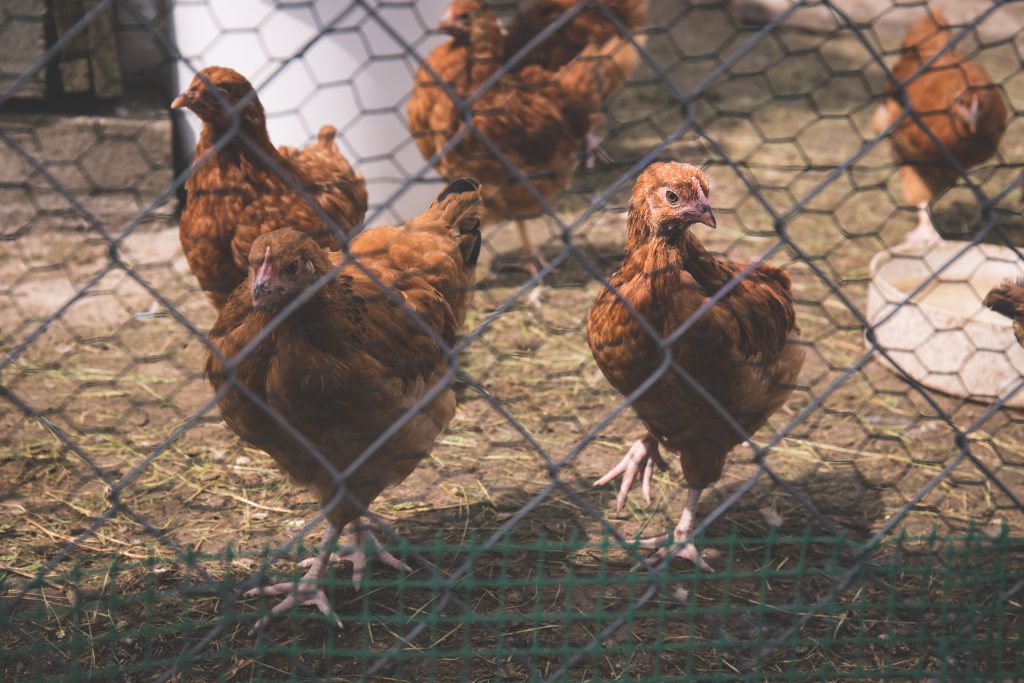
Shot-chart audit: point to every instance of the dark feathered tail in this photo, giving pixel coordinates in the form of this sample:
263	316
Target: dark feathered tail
325	138
463	208
1008	299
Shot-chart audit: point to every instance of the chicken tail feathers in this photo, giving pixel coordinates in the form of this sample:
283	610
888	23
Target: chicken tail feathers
777	274
325	138
1007	299
471	255
600	70
457	186
462	206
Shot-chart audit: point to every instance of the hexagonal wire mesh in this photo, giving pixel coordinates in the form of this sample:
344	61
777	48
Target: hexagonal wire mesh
870	530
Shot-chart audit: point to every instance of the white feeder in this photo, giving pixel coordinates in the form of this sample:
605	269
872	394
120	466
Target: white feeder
944	337
327	61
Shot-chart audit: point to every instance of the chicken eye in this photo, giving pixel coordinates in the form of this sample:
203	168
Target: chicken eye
292	269
672	197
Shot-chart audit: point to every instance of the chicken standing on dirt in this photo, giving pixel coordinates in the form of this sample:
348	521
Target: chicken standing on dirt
1008	299
242	186
351	361
742	350
955	101
536	119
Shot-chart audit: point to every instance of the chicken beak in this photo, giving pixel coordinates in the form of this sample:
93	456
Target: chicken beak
707	218
261	283
179	102
447	21
968	113
450	24
969	118
699	208
700	212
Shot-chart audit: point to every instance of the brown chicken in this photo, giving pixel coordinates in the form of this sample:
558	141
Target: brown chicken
534	118
956	102
350	362
1008	299
743	350
236	193
589	26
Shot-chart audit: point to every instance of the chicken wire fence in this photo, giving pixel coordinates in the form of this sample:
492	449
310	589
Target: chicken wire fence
870	531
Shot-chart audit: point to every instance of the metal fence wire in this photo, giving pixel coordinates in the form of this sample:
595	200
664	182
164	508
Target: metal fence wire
870	530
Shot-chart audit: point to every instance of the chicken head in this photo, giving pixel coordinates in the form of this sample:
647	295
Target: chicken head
282	264
215	92
670	197
458	18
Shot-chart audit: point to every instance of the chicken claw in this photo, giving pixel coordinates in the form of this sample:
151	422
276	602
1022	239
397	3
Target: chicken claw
681	534
686	552
307	590
354	552
298	593
644	453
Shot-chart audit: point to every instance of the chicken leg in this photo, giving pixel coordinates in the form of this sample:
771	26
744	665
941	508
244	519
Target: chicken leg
681	534
594	152
643	453
360	537
305	591
531	261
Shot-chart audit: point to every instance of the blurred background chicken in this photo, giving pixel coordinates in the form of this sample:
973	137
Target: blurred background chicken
955	100
589	26
351	361
242	186
1008	299
742	350
534	118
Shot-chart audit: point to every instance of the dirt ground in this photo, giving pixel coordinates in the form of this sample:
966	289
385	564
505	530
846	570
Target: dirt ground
152	580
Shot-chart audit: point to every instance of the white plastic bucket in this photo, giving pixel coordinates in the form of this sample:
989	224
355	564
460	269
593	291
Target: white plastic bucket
944	337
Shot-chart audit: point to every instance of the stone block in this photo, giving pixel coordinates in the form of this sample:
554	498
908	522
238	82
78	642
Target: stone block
112	167
22	42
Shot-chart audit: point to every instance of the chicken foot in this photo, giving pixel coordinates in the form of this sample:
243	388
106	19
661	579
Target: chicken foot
643	454
681	534
531	261
306	591
360	537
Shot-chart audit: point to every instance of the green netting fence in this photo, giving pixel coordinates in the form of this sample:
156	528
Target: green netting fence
783	608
